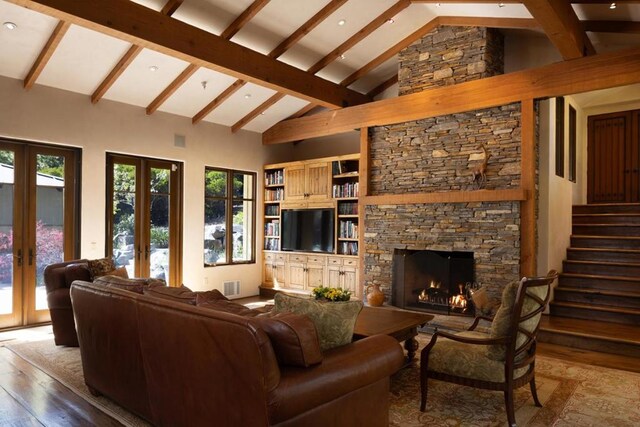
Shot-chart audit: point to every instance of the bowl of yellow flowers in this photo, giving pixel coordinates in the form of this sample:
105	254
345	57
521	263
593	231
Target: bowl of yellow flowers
323	293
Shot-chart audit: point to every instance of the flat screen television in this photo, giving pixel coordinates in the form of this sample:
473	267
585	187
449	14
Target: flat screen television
308	230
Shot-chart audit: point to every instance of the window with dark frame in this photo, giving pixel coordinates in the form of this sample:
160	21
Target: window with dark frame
229	217
560	136
572	143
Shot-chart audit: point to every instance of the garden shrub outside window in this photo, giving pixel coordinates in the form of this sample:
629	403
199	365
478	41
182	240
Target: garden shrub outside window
229	204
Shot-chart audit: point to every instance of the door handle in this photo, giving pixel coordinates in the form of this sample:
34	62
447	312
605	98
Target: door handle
19	257
146	252
30	256
139	253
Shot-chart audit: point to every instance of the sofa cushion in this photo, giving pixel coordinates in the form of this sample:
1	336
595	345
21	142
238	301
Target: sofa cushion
136	285
182	294
212	295
120	272
228	307
77	271
334	321
293	337
100	267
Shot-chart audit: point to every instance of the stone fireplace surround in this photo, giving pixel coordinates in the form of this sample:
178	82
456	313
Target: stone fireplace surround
435	155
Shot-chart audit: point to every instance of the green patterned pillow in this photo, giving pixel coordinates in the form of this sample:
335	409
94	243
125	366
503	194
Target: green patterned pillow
334	321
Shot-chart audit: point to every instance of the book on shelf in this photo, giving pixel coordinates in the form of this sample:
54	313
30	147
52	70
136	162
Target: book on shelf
273	195
272	228
348	230
272	210
348	208
348	189
274	177
349	248
270	244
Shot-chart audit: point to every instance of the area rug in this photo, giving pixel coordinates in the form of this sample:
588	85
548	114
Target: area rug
572	394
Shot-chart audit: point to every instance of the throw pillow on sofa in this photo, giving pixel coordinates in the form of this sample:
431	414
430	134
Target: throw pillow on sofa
228	307
77	271
334	321
212	295
136	285
182	294
293	337
100	267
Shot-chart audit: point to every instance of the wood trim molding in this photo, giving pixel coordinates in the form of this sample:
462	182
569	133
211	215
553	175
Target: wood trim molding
46	53
562	78
528	237
518	194
139	25
243	18
363	184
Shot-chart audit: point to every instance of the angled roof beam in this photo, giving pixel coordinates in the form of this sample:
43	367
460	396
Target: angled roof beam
231	30
218	100
46	53
139	25
331	56
169	8
562	27
305	29
489	22
559	79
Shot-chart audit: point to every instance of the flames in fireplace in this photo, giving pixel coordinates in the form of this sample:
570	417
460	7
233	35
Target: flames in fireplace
434	295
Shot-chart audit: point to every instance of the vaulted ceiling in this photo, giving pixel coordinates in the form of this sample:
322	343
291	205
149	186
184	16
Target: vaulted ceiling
249	64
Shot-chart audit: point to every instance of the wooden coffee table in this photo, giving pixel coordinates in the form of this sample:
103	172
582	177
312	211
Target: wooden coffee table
399	324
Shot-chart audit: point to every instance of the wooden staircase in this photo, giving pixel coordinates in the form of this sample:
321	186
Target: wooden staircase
596	304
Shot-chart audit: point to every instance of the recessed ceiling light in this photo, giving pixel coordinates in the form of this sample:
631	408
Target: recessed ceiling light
390	21
500	4
153	68
342	22
10	25
613	6
247	95
263	113
438	5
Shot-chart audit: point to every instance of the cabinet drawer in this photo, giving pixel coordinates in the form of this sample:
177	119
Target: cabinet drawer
350	262
297	258
269	257
314	259
280	257
335	260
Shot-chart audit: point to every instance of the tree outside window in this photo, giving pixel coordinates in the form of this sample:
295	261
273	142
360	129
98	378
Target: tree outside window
229	217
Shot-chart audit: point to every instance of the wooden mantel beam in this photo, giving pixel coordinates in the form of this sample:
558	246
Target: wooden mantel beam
594	72
139	25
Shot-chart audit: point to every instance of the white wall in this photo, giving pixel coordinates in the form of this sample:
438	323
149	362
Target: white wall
50	115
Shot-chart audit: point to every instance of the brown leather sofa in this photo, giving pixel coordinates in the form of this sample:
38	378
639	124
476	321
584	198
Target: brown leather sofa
57	281
176	364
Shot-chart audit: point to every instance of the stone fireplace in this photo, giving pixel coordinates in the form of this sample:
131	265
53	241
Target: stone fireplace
436	155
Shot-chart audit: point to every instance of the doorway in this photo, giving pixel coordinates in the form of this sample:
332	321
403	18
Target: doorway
39	223
614	158
144	225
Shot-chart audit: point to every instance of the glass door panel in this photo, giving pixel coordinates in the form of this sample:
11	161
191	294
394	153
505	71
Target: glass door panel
8	303
124	216
158	250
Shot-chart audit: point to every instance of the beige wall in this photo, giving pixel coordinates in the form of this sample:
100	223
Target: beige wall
334	145
50	115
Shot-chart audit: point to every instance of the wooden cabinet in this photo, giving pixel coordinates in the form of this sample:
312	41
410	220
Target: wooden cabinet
343	273
307	181
274	269
305	271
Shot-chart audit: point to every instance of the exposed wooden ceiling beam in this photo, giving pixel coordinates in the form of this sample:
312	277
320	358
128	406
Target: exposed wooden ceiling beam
139	25
479	21
243	18
562	27
563	78
169	90
46	53
219	100
169	8
256	112
630	27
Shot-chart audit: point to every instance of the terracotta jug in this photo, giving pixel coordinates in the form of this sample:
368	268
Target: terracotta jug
375	298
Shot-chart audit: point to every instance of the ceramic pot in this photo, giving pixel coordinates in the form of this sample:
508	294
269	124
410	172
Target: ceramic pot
375	297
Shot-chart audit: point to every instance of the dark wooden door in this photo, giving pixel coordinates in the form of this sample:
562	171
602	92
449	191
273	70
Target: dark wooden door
613	158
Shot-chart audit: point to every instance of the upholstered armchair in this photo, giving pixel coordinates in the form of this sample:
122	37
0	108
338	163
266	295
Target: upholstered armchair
502	359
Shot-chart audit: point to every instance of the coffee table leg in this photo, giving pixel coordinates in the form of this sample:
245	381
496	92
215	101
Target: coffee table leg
411	345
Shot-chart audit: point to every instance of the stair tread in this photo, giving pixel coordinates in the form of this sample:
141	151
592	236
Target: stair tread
608	292
617	332
607	204
601	277
608	308
607	214
609	263
598	236
599	224
615	250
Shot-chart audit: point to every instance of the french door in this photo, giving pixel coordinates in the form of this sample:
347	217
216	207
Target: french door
39	220
144	199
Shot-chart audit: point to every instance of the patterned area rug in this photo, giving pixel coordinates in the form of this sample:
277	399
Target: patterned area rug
572	394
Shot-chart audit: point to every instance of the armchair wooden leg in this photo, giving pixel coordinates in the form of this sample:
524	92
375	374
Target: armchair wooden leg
423	390
534	392
508	403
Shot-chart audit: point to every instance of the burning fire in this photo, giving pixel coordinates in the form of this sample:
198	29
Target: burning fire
458	301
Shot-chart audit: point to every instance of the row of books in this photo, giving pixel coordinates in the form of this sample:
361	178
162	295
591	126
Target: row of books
272	228
349	189
271	244
348	230
348	208
274	177
348	248
272	210
274	195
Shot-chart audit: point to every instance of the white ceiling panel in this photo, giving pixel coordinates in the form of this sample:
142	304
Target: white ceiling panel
193	96
82	60
608	42
156	5
602	12
278	112
19	48
509	10
211	15
239	105
138	85
377	76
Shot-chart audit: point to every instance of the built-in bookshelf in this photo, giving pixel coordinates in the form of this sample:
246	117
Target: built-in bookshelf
345	180
273	195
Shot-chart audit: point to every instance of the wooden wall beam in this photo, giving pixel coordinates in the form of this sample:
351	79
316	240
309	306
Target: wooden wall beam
594	72
139	25
562	26
363	188
46	53
528	237
517	194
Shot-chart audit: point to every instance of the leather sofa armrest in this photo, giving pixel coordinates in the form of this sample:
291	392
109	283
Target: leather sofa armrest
343	370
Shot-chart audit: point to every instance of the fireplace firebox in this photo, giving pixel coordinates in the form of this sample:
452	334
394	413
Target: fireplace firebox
433	281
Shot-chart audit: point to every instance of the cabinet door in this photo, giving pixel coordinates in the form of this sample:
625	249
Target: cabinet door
334	278
268	274
295	183
350	279
317	180
297	274
279	274
315	276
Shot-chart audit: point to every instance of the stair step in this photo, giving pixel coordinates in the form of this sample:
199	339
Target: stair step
607	208
594	281
591	335
598	254
606	218
608	242
627	269
597	297
607	229
625	316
